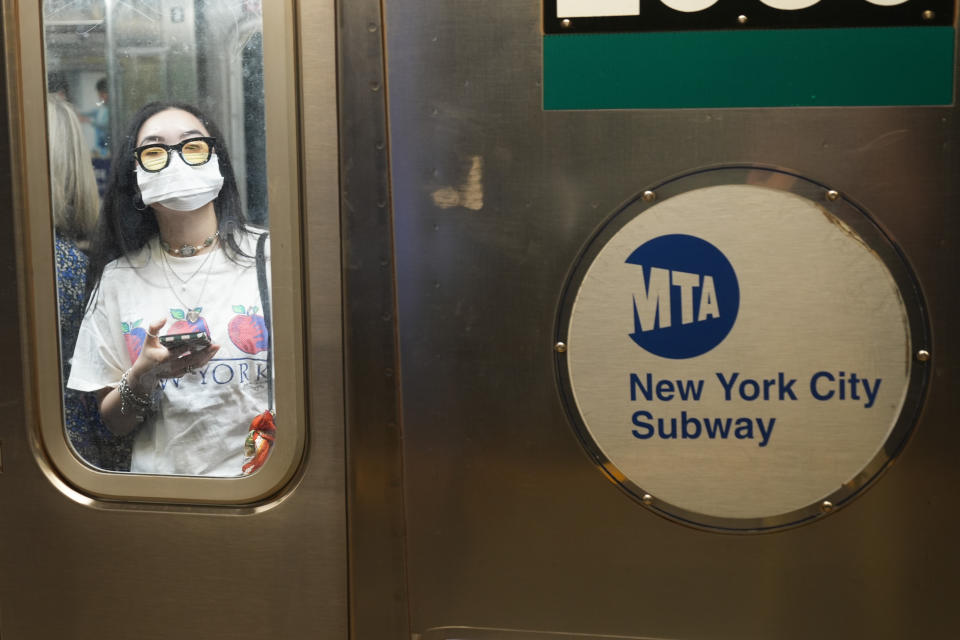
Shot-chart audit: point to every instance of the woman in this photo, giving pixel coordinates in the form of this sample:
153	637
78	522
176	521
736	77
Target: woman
172	255
74	201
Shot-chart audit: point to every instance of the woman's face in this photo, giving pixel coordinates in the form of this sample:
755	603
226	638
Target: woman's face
170	127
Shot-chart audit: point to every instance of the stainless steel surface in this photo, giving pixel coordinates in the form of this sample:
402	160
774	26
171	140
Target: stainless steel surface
75	569
378	597
510	530
509	524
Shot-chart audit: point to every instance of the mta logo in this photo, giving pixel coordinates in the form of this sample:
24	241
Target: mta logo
686	296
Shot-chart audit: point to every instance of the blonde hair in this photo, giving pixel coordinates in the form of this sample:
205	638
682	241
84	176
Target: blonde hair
76	203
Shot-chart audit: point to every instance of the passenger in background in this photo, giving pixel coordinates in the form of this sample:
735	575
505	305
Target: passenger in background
99	119
75	203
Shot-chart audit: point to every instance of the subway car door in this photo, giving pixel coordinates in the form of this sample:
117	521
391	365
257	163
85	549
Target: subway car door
90	550
599	320
674	320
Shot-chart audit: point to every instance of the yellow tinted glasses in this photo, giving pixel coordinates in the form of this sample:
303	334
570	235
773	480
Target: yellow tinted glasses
156	157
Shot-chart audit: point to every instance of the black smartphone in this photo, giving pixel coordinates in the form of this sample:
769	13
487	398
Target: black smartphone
194	341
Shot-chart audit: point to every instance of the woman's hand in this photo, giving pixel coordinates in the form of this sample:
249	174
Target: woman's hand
154	363
157	361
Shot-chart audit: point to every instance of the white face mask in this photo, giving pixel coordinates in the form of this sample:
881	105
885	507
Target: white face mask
179	186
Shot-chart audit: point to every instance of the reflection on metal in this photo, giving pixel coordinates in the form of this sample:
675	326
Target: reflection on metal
768	226
923	355
469	195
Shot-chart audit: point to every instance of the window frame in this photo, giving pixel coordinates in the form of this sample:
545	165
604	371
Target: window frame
38	300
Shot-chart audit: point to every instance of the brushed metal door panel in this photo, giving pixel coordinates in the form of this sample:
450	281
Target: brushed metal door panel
509	522
71	567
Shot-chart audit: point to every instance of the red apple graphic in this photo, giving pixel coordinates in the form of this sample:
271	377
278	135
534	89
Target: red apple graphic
184	324
133	336
247	330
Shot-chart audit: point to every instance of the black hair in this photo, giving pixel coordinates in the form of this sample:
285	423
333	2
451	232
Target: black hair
102	85
123	229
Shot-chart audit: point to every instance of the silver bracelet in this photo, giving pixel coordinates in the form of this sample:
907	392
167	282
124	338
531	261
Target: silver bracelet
141	403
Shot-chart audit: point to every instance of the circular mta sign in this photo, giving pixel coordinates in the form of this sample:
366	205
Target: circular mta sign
742	349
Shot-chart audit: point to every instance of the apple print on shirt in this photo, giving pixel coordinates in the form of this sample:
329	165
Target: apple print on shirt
247	330
133	336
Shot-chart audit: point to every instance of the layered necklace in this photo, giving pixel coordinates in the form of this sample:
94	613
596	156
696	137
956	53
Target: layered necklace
188	250
193	312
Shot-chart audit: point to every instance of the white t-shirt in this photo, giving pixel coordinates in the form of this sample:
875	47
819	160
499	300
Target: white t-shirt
203	417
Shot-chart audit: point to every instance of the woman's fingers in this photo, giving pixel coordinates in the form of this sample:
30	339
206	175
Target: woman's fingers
153	331
158	361
150	363
203	357
176	352
193	361
207	354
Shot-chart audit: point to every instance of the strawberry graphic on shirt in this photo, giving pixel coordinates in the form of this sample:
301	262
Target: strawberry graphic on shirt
188	321
133	336
247	330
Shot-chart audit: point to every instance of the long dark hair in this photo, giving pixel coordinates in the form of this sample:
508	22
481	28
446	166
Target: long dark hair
123	229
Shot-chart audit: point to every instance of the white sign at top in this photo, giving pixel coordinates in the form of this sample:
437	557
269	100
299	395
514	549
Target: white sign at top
689	6
597	8
790	5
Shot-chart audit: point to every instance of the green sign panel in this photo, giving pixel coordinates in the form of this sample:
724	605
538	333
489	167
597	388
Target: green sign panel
872	66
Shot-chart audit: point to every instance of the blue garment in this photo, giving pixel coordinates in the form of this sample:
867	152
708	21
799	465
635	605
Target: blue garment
100	120
87	433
